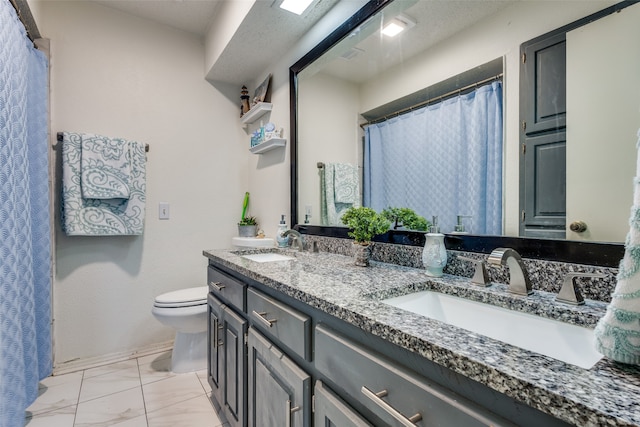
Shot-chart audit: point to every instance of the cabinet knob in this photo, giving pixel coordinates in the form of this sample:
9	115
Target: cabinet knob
578	226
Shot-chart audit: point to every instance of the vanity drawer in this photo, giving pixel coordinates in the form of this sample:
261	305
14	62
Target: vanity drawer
226	287
398	397
279	321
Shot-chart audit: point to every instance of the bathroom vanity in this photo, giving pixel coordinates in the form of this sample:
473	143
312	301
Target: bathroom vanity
303	339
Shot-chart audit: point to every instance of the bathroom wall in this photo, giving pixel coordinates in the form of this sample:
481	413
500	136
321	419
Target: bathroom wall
119	75
269	173
330	109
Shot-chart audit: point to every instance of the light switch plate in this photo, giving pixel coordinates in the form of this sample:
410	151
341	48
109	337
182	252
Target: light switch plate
163	210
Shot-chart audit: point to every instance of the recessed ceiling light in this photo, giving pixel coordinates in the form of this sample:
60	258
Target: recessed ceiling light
397	24
295	6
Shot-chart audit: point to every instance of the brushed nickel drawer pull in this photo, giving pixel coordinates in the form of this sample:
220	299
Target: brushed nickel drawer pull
219	286
261	317
289	410
216	332
377	399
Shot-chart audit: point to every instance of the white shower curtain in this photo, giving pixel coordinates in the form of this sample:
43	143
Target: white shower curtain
443	160
25	241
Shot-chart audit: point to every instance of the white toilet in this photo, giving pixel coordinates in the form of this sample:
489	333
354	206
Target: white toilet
186	312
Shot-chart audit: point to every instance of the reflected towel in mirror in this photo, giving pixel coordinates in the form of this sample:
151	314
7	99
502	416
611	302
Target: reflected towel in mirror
339	190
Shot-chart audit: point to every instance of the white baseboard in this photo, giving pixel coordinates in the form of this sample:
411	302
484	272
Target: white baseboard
93	362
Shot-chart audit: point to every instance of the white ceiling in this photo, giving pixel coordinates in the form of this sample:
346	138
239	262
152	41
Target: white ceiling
373	53
266	33
192	16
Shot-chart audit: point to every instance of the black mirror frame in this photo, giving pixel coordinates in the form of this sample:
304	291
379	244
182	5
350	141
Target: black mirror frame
590	253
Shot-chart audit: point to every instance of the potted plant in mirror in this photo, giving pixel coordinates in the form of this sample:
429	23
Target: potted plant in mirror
406	218
248	227
365	223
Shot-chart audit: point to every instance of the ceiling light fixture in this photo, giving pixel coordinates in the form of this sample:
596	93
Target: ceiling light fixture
296	6
397	25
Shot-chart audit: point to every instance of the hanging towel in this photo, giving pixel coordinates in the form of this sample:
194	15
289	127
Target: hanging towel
345	183
101	217
105	167
336	178
618	332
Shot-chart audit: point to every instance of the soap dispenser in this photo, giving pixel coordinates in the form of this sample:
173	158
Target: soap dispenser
459	227
434	254
283	241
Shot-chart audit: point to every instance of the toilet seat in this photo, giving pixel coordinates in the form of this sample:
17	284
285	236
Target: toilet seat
182	298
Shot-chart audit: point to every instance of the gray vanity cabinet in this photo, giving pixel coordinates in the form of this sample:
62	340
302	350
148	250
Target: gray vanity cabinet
397	396
279	392
234	355
228	359
215	368
330	410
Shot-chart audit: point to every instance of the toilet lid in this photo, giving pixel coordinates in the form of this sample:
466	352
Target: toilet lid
189	295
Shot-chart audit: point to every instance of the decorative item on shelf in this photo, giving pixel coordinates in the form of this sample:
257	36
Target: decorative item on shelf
244	96
434	254
406	218
265	133
262	92
248	225
365	223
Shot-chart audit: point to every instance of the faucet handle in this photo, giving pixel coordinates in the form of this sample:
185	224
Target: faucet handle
570	293
480	276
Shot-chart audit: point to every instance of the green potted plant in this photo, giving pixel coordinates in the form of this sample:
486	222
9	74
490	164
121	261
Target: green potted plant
248	227
365	223
407	218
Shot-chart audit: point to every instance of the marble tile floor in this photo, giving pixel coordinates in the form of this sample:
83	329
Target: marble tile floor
140	392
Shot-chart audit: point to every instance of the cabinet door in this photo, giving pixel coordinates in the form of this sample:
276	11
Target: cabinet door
215	341
544	85
234	355
330	411
278	390
545	195
543	114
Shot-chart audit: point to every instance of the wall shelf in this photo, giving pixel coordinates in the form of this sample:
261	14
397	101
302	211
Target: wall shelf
258	110
268	145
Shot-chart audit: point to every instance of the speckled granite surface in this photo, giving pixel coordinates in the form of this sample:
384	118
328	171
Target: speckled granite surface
607	394
544	275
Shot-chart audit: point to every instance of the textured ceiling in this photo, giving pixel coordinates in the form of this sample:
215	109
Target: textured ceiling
266	33
371	54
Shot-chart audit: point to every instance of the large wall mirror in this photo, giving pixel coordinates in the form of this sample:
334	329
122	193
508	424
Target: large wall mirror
358	75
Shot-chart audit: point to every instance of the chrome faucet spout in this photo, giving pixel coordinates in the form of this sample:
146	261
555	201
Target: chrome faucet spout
296	239
519	282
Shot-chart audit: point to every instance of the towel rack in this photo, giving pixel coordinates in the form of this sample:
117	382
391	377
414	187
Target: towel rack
320	165
60	137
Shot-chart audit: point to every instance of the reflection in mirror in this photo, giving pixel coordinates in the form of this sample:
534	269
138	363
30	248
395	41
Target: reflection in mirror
448	46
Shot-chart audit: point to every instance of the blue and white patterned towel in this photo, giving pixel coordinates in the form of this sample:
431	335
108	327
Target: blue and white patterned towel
339	190
101	217
105	167
345	183
618	332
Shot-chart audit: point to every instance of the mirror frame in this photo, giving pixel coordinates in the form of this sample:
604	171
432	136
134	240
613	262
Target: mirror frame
578	252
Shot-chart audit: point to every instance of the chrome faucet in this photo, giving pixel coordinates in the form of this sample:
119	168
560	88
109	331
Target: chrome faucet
519	282
296	239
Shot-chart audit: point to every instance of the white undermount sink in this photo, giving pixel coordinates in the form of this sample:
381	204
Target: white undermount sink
563	341
267	257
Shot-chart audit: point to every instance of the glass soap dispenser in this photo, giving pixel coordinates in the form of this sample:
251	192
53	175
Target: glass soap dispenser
434	254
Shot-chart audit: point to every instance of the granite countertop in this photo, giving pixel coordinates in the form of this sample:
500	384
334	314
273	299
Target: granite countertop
606	394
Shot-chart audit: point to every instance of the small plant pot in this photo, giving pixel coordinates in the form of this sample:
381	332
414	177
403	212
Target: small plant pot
362	254
247	230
